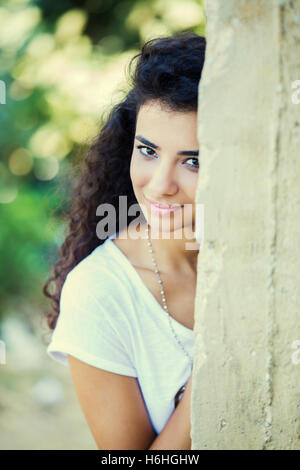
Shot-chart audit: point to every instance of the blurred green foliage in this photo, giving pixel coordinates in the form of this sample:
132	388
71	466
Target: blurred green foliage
64	65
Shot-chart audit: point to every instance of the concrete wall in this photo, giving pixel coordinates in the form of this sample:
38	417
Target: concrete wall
246	377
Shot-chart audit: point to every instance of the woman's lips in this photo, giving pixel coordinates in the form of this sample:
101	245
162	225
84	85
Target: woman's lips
161	209
163	206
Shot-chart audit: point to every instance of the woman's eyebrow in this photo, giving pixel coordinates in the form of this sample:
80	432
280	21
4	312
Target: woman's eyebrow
190	153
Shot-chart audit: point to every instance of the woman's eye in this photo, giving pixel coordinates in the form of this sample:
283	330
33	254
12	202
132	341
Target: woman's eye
196	166
143	147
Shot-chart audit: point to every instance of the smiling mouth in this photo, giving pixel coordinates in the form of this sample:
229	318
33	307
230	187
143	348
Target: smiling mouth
163	206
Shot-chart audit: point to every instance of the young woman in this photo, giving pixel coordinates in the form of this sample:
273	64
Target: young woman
123	307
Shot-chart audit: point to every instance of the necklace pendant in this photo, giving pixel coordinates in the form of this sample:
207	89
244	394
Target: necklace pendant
178	395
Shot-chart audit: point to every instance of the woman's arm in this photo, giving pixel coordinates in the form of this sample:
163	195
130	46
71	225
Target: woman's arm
113	407
115	411
176	433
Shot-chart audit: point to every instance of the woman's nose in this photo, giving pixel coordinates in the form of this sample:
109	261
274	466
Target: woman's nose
163	179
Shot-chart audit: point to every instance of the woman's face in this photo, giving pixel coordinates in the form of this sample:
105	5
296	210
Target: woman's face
159	170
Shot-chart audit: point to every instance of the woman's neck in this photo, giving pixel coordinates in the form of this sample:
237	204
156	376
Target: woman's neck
171	254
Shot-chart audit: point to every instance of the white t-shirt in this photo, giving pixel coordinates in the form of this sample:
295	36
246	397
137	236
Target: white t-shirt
111	320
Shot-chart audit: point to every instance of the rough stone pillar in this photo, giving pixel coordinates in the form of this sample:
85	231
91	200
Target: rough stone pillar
246	377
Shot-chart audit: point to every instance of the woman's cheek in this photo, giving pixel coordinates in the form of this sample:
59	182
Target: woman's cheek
138	173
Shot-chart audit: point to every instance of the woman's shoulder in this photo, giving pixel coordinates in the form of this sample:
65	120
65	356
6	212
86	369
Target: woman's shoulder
133	245
107	273
98	273
95	298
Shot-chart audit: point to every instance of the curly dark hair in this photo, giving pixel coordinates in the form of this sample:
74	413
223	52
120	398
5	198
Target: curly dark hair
168	69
